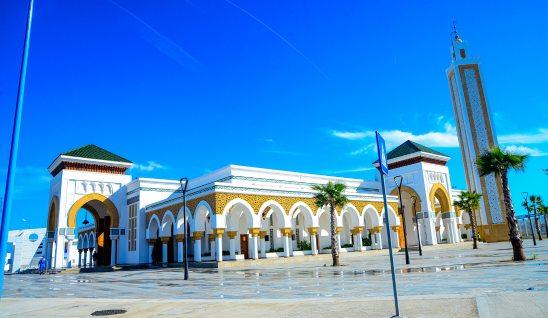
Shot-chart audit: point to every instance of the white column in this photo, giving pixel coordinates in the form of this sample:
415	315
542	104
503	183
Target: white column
456	231
429	228
438	234
219	246
212	248
180	251
150	250
198	246
263	245
449	231
85	257
113	251
90	256
254	246
313	245
286	245
358	241
377	239
164	250
339	240
57	260
69	248
232	244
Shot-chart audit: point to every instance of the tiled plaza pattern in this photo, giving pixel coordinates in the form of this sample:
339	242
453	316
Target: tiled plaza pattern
448	275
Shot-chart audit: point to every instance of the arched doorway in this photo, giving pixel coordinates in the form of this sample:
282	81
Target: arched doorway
411	205
440	203
239	222
277	229
105	216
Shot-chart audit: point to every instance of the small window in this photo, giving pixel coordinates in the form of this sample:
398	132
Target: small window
462	53
33	237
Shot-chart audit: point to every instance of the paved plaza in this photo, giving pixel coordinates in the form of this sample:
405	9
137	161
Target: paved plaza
447	281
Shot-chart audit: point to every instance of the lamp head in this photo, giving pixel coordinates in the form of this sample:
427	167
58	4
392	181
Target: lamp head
398	180
184	183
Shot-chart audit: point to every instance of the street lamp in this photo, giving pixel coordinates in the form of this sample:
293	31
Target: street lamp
525	196
184	184
417	221
399	180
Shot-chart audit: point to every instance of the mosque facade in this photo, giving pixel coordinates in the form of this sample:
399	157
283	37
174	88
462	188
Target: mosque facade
238	212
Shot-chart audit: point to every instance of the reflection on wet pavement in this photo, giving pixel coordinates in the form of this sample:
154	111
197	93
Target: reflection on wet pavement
439	271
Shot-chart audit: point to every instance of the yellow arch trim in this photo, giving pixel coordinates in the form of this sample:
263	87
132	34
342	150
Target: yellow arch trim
52	213
443	197
111	209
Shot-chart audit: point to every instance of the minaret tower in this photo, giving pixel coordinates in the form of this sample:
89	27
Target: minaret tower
476	134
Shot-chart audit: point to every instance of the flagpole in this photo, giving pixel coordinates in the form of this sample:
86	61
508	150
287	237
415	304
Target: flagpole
14	148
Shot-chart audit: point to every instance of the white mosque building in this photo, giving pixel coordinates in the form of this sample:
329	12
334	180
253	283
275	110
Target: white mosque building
238	212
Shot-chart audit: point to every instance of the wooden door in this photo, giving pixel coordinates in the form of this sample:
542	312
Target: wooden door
244	246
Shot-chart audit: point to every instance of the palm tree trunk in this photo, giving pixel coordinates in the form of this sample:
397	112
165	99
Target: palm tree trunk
537	224
473	225
514	235
334	243
545	224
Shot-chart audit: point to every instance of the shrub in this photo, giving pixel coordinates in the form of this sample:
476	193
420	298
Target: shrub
346	245
280	249
464	236
303	246
366	241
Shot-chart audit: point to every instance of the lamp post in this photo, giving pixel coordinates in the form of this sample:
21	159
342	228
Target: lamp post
525	196
417	221
399	180
184	184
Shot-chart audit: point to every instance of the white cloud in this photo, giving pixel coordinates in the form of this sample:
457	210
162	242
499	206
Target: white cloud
533	152
149	166
541	136
446	138
364	149
352	135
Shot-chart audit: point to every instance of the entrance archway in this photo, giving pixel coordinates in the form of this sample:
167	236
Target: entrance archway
440	202
106	217
409	209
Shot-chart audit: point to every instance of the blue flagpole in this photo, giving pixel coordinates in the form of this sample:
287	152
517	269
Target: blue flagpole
6	209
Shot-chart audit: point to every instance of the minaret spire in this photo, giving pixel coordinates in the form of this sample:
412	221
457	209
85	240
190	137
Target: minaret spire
458	50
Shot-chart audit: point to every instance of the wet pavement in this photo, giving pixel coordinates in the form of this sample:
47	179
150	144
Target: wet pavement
440	271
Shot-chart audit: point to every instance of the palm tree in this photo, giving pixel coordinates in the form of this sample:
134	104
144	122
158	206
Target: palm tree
542	210
331	195
536	201
469	202
499	161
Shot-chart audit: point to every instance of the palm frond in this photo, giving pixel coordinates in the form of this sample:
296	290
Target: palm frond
497	161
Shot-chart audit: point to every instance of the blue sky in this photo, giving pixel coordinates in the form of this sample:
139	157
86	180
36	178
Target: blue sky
185	87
